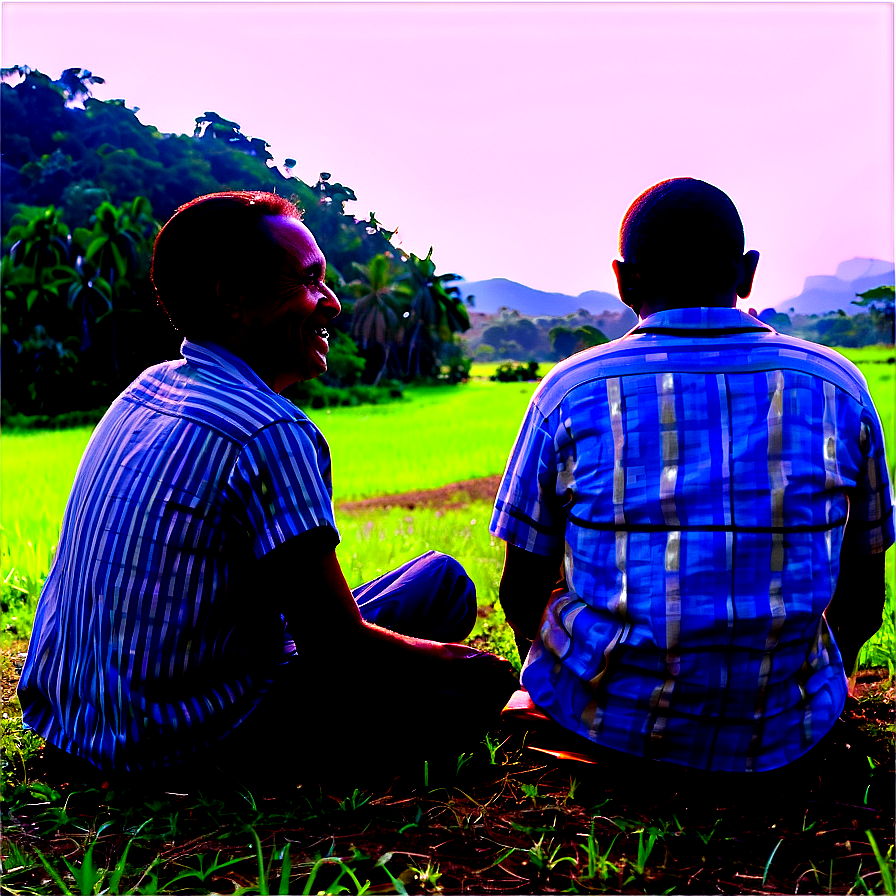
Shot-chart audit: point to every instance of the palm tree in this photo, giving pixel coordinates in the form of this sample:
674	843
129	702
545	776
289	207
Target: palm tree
41	238
113	251
376	315
91	294
437	311
76	85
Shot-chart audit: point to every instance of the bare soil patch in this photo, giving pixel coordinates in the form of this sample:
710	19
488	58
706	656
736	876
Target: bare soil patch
456	494
509	819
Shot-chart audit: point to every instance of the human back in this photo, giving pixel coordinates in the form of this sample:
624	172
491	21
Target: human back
694	478
151	585
204	500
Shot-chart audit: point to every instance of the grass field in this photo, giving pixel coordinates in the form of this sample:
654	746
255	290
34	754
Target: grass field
436	435
504	821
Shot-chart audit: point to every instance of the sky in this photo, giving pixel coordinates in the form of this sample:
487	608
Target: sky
512	137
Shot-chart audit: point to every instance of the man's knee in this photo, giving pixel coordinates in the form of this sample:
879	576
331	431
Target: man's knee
457	580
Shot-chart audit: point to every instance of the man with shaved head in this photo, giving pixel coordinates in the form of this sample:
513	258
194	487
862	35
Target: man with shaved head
715	497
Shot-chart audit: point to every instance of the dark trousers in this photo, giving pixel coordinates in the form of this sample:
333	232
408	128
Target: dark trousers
428	597
382	721
375	724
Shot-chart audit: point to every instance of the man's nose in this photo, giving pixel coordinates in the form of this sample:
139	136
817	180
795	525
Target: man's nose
330	300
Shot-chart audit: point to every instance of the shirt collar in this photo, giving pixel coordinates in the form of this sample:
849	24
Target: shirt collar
215	360
702	319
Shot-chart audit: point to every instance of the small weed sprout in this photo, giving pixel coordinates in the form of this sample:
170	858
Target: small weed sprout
544	858
462	760
645	849
354	802
492	746
571	793
530	790
203	873
705	837
428	877
599	864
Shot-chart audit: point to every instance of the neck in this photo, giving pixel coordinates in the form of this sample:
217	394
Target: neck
659	303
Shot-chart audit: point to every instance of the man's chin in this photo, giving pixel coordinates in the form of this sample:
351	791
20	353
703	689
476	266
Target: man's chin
312	371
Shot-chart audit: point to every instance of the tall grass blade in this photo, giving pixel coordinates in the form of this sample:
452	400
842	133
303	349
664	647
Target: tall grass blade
886	875
262	872
285	868
769	862
54	874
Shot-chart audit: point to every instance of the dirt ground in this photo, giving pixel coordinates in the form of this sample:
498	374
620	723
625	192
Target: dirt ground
520	821
457	494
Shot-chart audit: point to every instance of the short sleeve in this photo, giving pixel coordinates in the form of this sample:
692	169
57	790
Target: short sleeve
870	527
280	484
527	513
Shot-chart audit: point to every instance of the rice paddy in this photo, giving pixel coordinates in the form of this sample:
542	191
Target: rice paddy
506	821
435	436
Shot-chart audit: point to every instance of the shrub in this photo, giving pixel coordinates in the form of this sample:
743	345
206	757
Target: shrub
316	394
516	373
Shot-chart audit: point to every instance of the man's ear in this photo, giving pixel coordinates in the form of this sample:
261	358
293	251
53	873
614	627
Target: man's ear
231	300
749	262
626	282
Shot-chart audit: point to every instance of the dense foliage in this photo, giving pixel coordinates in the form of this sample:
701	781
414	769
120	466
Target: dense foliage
515	373
838	328
86	186
513	336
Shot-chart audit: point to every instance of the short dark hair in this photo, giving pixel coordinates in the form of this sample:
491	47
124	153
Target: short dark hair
219	236
685	236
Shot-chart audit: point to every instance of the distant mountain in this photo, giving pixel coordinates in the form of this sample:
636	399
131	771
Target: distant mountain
490	295
823	293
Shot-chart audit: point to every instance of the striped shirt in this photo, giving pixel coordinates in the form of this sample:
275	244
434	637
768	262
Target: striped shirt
697	475
149	641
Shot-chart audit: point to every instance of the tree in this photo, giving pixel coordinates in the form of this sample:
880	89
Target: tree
377	308
880	302
510	327
89	295
113	252
328	193
82	273
40	237
76	84
566	341
436	314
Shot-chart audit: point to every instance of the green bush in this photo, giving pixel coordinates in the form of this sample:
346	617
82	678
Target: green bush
46	421
516	373
316	394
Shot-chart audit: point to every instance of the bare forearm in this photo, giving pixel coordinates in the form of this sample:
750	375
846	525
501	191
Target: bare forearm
526	586
855	611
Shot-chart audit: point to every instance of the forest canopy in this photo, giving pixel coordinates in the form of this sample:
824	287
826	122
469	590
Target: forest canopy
86	187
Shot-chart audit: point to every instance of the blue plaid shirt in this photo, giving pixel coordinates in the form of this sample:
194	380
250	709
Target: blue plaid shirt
697	475
139	654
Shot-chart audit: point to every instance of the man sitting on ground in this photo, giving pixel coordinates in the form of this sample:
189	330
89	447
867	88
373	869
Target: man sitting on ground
196	613
717	496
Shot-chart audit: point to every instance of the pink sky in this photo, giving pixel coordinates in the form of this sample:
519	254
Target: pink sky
513	136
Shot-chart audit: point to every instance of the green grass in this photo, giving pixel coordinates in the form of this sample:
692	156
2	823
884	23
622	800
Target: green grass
375	542
517	815
441	434
435	436
868	354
